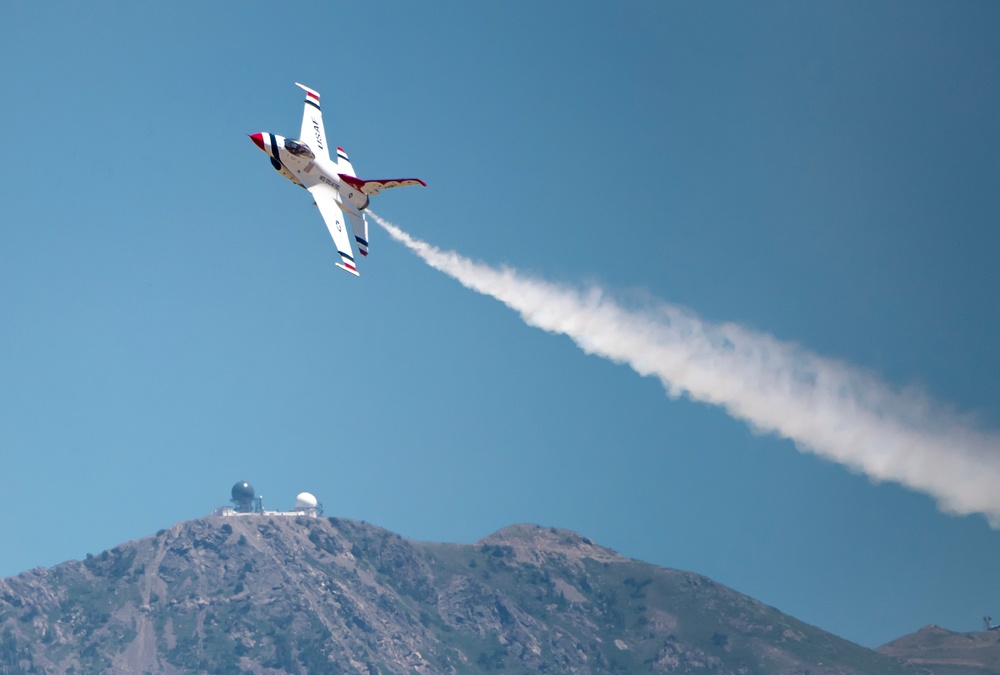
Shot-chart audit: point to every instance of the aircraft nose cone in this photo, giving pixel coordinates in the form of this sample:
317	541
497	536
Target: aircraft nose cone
258	138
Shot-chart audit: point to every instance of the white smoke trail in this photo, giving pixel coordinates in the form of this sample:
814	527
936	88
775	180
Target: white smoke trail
826	407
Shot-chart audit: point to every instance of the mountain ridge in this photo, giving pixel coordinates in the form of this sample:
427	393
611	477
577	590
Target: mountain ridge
946	652
266	594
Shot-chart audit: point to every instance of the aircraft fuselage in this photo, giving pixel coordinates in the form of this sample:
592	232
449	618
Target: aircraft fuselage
296	161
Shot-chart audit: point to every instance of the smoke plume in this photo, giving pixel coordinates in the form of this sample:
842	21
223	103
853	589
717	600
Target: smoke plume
825	407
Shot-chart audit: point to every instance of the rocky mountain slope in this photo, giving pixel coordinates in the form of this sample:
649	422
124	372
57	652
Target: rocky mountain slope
944	652
281	594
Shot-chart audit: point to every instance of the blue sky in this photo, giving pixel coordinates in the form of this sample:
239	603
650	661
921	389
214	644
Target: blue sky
171	320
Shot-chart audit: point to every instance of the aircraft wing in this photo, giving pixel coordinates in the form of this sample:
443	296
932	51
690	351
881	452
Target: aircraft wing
372	187
313	134
326	200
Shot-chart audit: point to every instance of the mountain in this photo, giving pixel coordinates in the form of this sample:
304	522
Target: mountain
944	652
267	594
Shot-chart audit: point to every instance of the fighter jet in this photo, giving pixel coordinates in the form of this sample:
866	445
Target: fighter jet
336	189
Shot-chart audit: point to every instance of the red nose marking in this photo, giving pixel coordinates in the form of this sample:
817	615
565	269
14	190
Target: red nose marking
259	140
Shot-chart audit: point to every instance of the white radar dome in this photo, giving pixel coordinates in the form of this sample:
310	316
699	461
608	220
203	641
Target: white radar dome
305	500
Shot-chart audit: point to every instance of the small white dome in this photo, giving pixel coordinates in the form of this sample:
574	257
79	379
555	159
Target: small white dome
305	500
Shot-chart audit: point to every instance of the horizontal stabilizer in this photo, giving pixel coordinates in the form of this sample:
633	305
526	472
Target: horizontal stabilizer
360	227
372	187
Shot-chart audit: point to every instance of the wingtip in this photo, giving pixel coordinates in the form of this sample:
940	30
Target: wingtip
348	269
309	90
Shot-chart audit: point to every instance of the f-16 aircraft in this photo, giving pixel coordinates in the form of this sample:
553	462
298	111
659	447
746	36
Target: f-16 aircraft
336	189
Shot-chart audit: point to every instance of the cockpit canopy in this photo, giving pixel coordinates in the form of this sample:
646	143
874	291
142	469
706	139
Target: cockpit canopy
299	149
